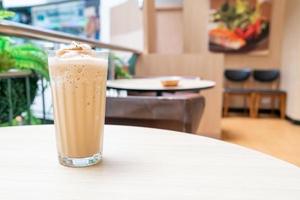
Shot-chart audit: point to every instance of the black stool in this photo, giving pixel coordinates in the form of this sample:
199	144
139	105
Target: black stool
237	76
269	77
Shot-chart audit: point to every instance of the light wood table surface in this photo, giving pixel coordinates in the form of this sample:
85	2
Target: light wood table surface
141	163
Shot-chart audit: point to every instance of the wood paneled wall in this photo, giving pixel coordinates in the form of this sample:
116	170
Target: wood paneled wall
172	33
191	60
195	18
127	25
205	66
181	48
195	37
149	26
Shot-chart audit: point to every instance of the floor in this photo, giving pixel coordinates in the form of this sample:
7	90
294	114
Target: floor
272	136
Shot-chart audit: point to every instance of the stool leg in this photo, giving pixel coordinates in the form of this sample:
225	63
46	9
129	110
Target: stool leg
251	104
225	102
257	105
245	99
282	105
272	104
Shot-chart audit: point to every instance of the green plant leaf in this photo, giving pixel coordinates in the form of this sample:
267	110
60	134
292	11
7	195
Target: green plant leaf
24	56
4	14
22	63
28	56
119	70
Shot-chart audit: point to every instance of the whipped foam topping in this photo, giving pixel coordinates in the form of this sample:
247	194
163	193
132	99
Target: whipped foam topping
76	49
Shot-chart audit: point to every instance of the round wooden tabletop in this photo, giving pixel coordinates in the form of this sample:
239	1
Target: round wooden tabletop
141	163
154	85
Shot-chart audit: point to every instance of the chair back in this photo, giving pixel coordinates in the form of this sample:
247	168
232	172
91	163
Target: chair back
270	77
237	77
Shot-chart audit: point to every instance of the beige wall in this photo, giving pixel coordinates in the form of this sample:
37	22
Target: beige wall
192	25
205	66
169	58
196	15
169	31
181	44
291	58
188	59
174	35
193	34
196	37
179	31
126	25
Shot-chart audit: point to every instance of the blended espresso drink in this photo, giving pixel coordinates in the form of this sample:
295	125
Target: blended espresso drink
78	82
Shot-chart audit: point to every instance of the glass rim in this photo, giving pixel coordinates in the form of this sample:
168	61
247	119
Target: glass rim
102	52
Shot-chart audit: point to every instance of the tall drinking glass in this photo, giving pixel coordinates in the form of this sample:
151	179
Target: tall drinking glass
78	84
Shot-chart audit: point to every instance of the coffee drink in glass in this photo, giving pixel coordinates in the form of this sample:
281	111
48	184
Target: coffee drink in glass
78	83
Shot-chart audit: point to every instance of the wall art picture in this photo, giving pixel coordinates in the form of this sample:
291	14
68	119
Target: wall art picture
239	26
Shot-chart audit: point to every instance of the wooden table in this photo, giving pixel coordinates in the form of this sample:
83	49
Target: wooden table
154	85
141	163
